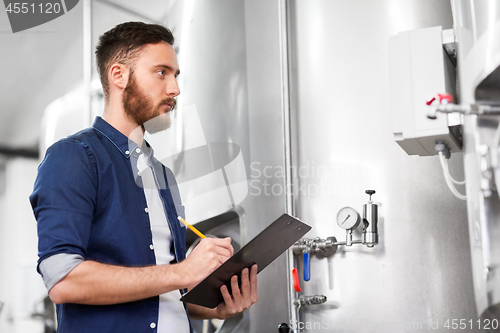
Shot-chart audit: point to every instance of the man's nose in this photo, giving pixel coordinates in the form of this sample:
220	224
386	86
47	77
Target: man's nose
173	88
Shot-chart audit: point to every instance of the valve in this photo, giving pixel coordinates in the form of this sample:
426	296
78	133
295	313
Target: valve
370	221
441	98
295	276
306	246
307	266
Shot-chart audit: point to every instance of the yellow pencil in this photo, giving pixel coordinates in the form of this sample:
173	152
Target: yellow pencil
191	227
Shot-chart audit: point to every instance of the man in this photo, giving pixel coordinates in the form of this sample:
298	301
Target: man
111	251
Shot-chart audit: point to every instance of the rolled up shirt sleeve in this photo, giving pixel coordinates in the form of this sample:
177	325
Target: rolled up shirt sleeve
63	202
55	268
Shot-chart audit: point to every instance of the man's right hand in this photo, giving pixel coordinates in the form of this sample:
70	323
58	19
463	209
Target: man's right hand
205	258
96	283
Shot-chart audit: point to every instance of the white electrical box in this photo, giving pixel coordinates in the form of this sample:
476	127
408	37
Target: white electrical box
420	68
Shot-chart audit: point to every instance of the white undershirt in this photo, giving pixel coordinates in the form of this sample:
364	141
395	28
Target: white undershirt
172	316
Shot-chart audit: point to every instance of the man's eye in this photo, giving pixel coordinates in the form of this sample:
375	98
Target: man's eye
162	73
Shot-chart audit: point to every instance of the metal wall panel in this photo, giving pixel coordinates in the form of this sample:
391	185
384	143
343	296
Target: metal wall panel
478	28
231	70
266	153
212	57
420	273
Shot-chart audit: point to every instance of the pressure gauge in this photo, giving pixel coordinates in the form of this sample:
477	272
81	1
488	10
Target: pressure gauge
348	218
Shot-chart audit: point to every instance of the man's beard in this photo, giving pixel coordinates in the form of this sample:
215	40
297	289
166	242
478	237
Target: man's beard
140	108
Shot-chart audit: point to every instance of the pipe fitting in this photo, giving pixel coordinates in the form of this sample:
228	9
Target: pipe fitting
315	245
309	300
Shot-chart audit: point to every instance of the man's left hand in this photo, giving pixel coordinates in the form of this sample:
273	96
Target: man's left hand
242	298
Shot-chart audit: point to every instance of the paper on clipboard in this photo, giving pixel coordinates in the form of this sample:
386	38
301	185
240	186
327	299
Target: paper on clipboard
262	250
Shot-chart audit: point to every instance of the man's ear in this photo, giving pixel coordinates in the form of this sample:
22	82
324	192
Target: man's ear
118	75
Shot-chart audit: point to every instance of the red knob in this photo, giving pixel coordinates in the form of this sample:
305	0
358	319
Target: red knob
295	275
440	98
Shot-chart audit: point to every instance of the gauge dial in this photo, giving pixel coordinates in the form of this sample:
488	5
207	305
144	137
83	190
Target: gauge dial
348	218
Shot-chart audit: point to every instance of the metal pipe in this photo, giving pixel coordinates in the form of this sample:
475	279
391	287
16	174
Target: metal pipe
310	300
463	109
285	95
317	245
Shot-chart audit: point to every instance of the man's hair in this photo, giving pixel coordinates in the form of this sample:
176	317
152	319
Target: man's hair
123	43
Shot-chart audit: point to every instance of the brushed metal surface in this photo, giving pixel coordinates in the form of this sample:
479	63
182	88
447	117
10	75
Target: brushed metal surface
484	217
420	272
213	79
229	58
478	31
478	28
265	106
227	225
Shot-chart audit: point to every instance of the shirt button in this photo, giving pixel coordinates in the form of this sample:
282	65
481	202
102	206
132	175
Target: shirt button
137	150
146	210
151	247
153	325
127	152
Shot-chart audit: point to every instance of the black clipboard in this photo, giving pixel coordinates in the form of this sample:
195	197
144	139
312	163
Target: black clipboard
262	250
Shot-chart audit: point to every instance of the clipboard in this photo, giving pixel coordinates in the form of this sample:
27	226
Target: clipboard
262	250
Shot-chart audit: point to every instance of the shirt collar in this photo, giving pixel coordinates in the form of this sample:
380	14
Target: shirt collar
126	146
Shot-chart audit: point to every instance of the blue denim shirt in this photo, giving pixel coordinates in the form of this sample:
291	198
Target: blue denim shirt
87	200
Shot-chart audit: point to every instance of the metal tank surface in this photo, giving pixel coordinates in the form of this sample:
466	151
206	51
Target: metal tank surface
229	57
478	37
418	278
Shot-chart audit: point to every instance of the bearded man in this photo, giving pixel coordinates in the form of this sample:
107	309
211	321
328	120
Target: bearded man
111	251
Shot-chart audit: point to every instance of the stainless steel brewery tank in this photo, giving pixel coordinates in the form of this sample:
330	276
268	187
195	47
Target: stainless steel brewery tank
420	272
478	35
229	58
